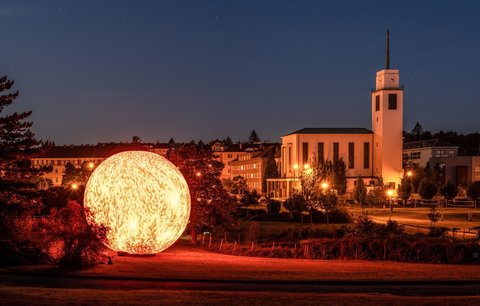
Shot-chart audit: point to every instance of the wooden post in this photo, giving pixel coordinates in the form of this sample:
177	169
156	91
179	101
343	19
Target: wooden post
252	247
221	244
203	238
210	241
273	246
234	246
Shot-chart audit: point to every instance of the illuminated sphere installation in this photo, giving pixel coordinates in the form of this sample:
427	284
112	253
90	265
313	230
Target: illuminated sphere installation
142	199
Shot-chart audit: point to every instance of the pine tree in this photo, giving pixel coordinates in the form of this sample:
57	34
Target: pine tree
254	137
19	198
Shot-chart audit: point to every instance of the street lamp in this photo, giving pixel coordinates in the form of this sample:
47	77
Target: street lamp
324	186
409	173
91	165
74	186
390	195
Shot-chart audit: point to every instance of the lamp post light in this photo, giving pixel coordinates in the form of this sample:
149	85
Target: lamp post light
324	186
91	165
295	169
74	186
390	195
409	173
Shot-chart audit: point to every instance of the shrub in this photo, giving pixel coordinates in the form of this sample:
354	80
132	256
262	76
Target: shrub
427	189
473	190
273	207
79	241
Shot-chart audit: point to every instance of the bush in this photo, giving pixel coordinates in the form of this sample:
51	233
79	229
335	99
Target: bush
273	207
250	197
473	190
427	189
80	242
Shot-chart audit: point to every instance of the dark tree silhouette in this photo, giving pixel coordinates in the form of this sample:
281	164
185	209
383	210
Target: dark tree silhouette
212	208
254	137
19	197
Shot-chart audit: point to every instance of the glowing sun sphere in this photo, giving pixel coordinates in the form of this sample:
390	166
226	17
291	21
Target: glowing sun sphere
142	199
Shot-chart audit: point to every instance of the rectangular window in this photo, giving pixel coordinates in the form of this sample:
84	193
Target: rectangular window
366	155
321	156
289	156
305	152
335	151
377	103
392	101
351	155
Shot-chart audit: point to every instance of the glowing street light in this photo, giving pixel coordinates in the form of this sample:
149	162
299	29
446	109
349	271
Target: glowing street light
198	174
74	186
324	186
390	193
409	173
295	166
91	165
306	166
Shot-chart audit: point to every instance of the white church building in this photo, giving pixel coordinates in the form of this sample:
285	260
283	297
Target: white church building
370	154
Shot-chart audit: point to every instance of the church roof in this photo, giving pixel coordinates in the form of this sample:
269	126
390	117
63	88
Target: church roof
427	144
332	131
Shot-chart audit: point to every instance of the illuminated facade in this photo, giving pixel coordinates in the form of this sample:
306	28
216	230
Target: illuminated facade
370	154
56	157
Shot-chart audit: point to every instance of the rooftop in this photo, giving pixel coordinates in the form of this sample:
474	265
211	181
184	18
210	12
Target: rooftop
332	131
427	144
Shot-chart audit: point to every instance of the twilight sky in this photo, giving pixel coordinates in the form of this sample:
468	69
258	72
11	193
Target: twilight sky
97	71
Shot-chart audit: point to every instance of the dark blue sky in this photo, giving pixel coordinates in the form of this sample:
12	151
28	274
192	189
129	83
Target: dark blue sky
96	71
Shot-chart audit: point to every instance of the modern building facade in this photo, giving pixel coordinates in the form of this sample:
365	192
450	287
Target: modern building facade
252	166
418	153
459	170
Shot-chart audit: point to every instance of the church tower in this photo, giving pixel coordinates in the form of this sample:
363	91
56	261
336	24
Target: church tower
387	124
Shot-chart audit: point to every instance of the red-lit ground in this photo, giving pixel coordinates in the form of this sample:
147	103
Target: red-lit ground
243	280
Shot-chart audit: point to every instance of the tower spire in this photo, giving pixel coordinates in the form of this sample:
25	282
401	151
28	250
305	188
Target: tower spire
387	64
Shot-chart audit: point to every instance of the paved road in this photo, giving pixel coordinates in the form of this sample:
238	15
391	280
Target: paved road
432	288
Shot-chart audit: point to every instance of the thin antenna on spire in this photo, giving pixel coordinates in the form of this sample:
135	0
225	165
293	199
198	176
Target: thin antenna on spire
387	64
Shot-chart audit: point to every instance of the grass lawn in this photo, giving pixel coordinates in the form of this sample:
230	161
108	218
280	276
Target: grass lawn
185	262
49	296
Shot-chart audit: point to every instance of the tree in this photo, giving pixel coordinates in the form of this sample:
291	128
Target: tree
254	137
212	208
78	176
376	197
271	169
296	204
473	190
250	197
327	200
19	197
449	191
427	189
434	214
136	139
227	141
333	172
405	189
360	192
